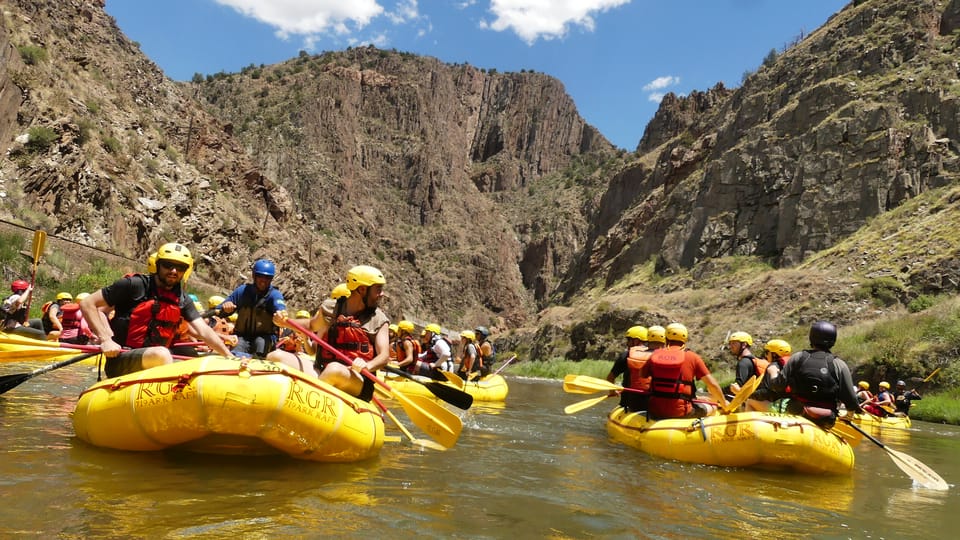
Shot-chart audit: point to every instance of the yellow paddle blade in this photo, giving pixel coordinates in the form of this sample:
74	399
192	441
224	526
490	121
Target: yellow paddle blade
35	353
848	434
584	384
453	378
585	404
745	391
435	420
421	442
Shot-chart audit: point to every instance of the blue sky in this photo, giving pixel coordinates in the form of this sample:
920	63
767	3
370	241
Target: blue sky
616	58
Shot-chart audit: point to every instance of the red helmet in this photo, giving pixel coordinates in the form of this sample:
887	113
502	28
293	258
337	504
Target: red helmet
19	286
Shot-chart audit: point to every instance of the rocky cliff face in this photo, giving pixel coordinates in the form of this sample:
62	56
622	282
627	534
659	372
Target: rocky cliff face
846	125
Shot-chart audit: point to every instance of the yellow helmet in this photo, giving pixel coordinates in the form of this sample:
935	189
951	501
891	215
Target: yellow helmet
864	385
199	306
178	254
364	275
81	296
64	296
433	327
657	334
468	334
340	291
232	317
677	332
394	329
215	301
152	263
405	326
778	347
884	384
742	337
303	314
637	332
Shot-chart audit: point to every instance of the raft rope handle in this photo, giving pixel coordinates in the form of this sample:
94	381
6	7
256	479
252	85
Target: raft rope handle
184	379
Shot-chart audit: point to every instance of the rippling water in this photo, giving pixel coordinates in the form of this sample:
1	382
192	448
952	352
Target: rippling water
519	471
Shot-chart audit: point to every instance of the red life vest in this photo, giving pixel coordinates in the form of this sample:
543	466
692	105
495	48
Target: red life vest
70	316
760	365
154	321
347	335
636	358
666	370
46	306
430	356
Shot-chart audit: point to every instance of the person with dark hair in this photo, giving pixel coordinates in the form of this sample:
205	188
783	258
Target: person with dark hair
902	397
488	354
255	304
817	380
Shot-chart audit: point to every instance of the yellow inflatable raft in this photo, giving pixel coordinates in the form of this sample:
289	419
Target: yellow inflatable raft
877	423
225	406
747	439
489	388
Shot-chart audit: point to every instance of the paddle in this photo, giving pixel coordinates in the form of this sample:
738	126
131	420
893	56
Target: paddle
845	432
9	382
585	404
454	379
745	391
505	364
39	239
436	421
427	443
454	396
920	473
584	384
34	353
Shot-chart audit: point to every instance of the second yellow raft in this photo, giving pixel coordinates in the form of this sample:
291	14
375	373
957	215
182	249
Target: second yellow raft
746	439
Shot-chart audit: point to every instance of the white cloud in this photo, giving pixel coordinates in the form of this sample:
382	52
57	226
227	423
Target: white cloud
546	19
306	17
660	83
404	11
656	97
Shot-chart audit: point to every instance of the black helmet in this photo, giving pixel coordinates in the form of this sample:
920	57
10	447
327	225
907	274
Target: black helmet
823	335
901	383
482	330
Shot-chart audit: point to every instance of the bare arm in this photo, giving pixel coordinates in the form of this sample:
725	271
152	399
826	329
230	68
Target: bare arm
200	328
90	307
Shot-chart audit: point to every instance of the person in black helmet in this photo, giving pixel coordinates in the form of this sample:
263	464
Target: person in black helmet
817	379
902	398
487	353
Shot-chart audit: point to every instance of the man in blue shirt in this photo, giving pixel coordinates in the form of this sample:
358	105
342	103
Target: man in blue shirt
255	303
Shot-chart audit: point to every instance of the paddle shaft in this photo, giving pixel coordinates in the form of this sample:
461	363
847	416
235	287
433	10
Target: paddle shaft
454	396
9	382
39	239
505	364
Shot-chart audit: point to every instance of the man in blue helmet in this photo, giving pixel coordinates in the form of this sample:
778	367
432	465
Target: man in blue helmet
255	303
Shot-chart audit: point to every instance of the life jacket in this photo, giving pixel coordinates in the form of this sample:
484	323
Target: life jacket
348	336
666	370
402	353
253	317
810	385
153	321
46	318
760	365
636	358
70	316
430	356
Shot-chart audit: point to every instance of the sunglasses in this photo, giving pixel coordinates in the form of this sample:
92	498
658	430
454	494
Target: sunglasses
167	265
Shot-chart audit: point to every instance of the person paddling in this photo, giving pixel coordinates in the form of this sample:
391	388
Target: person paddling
902	397
255	304
817	380
674	371
148	311
638	352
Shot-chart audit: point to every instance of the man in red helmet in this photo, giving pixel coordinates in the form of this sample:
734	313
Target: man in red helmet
15	311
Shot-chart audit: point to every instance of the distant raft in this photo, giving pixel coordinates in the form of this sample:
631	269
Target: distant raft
879	423
220	405
747	439
490	388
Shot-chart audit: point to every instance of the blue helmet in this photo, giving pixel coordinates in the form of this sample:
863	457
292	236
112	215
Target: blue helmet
264	267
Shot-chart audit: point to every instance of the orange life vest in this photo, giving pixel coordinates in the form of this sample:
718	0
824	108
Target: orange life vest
636	358
666	372
402	353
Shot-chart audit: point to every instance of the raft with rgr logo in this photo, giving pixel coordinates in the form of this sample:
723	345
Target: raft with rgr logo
747	439
224	406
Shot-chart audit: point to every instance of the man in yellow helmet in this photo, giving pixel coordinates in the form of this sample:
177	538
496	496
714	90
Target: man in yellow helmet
748	365
356	326
51	315
437	355
408	349
148	311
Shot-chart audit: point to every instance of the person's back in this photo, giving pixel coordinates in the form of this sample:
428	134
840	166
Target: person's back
673	372
817	379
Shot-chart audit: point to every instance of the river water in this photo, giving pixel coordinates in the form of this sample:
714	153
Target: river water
523	470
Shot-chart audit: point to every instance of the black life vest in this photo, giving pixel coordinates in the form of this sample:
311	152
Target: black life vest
815	380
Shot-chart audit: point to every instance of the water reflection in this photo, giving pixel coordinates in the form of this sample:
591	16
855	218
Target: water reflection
521	470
